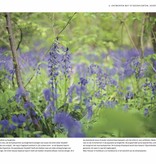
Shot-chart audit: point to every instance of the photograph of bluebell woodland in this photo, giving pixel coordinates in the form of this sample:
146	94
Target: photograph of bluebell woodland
77	75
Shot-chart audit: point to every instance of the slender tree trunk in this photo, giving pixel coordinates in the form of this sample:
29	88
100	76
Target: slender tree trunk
153	32
14	52
16	64
134	35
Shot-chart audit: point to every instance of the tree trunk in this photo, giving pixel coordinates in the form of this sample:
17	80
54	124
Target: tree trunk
14	52
153	32
16	64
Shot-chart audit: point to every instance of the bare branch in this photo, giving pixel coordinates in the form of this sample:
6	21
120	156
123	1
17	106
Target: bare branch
68	22
21	38
21	35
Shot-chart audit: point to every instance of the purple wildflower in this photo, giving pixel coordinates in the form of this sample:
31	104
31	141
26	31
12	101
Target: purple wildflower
19	120
72	126
20	93
4	123
12	127
110	104
15	119
49	109
93	69
129	95
146	112
29	105
47	94
5	126
83	81
66	63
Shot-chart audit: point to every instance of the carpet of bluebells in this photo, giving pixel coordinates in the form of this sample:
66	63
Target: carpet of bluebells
88	95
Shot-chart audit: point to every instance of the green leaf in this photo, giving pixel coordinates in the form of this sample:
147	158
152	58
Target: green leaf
125	123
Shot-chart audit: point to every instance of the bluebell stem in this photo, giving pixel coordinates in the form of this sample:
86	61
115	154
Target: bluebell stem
53	66
82	88
47	94
66	69
89	107
49	109
70	92
66	63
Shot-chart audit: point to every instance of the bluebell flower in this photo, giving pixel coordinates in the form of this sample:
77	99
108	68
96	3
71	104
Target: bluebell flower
12	127
153	87
129	95
110	104
79	90
4	123
66	63
19	120
47	94
93	69
113	82
20	93
72	126
146	112
128	71
97	94
83	81
47	113
31	113
5	126
15	119
29	105
82	70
